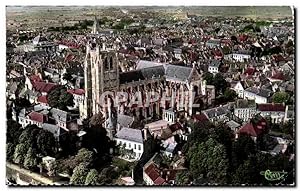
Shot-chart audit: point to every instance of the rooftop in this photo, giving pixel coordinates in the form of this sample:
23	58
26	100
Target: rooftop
130	134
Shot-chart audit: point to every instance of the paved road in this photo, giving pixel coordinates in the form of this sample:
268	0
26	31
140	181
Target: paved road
33	175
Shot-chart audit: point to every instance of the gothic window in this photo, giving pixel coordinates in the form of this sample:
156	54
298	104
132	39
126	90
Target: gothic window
106	63
111	63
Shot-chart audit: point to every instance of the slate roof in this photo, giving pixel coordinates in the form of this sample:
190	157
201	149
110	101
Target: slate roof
243	103
59	115
260	91
180	73
214	63
50	70
214	41
147	64
12	88
232	124
170	147
218	111
130	134
51	128
38	39
148	68
124	120
142	74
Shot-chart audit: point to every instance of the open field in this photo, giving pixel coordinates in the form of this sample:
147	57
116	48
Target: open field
40	16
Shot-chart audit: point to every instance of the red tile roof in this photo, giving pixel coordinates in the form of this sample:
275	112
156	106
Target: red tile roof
159	181
243	37
271	107
249	129
76	91
253	129
70	57
176	126
35	78
43	86
278	58
250	71
200	117
35	116
152	172
278	76
42	99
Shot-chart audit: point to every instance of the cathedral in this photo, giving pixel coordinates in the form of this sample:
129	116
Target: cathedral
102	74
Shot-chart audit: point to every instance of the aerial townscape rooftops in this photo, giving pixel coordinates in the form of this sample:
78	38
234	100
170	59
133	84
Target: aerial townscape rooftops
150	96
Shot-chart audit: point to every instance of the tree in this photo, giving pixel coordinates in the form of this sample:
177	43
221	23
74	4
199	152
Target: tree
31	159
14	131
209	78
208	160
289	128
241	149
289	44
226	50
220	83
60	98
10	149
79	174
96	138
218	165
68	143
20	153
103	178
85	156
46	143
224	135
67	76
97	120
200	132
182	178
233	38
92	178
246	173
280	97
29	135
229	95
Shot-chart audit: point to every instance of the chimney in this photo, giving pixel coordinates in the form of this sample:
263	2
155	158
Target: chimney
118	128
132	174
145	134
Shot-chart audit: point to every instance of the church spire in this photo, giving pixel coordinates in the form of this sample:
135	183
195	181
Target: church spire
95	26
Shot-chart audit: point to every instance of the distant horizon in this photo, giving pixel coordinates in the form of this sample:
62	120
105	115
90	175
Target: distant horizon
243	11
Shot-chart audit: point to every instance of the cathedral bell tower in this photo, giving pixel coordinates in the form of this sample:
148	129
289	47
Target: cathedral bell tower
96	26
101	73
